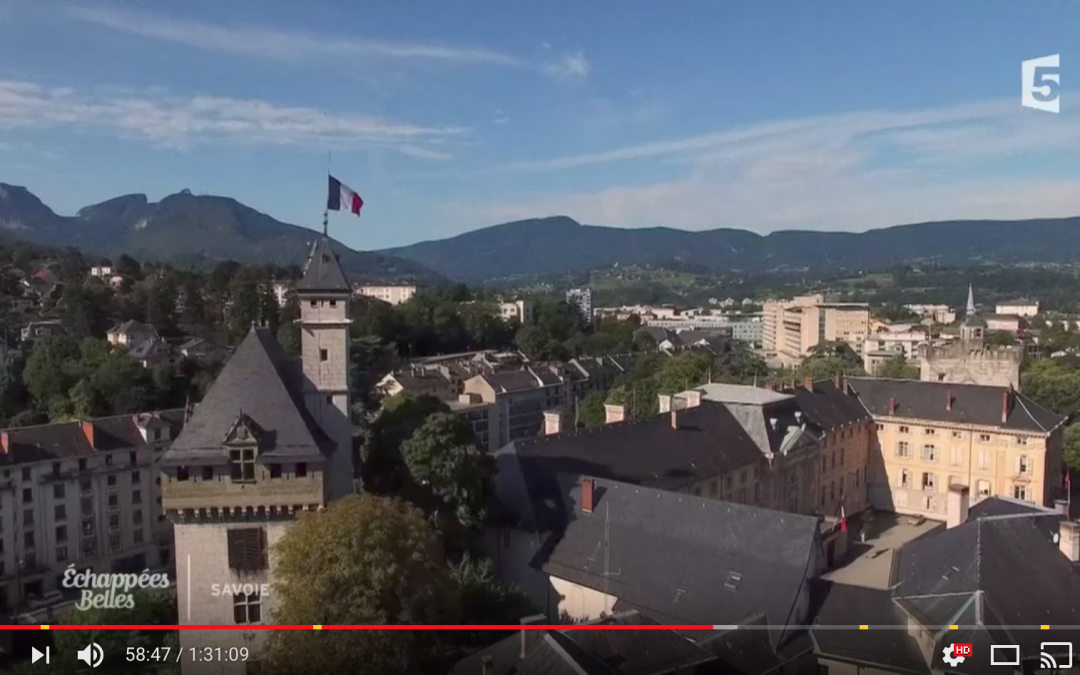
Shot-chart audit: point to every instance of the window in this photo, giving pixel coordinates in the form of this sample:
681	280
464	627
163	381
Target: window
136	516
1021	440
108	460
333	303
89	548
957	457
114	541
958	434
87	506
247	608
56	468
182	473
985	438
61	534
841	456
857	478
157	433
133	458
841	487
929	482
823	495
114	521
86	485
902	429
330	400
1020	492
832	490
323	356
61	553
275	471
136	478
824	463
1023	464
929	453
757	493
984	459
114	502
28	539
26	474
58	491
111	481
713	489
88	527
136	497
138	536
28	517
60	512
301	470
742	477
208	473
902	449
242	464
247	549
929	432
27	496
82	465
984	488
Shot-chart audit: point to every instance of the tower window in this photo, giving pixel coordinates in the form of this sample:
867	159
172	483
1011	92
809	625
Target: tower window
182	473
314	303
323	356
333	303
301	470
275	471
247	608
247	549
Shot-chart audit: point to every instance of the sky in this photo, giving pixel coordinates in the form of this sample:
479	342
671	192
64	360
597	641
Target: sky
451	116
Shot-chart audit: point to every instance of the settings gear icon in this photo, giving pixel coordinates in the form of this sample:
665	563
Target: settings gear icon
950	657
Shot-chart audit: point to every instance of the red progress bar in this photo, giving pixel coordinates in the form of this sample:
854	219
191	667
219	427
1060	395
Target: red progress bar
355	627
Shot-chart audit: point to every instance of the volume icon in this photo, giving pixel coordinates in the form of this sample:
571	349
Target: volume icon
92	655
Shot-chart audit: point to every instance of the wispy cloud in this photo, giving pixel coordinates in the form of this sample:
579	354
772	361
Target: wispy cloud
270	43
179	122
849	171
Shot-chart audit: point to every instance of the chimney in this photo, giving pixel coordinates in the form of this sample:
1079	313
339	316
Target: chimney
588	485
836	382
693	398
487	665
88	431
892	406
809	383
1069	540
847	386
552	422
1005	406
530	637
956	508
665	402
614	413
948	400
5	442
674	418
1062	507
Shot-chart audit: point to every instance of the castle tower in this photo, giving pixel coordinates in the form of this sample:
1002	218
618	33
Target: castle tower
969	360
271	439
973	328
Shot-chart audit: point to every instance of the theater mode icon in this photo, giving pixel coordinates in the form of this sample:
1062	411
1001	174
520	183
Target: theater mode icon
1041	83
1005	655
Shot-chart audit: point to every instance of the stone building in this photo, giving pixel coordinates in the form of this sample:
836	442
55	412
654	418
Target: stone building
970	360
271	439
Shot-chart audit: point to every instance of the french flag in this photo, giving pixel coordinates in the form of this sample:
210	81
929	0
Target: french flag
343	198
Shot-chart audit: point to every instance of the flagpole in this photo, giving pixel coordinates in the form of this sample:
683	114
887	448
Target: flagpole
326	211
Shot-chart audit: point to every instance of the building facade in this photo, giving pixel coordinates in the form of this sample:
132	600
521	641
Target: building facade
582	299
271	439
1022	307
793	327
395	295
970	360
82	493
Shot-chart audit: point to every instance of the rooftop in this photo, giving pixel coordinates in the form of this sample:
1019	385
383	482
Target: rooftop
739	393
65	440
323	270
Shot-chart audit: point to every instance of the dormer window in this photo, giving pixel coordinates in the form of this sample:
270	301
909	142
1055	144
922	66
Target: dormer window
242	464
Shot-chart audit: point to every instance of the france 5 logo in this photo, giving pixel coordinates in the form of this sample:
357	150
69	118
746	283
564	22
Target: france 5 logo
1041	83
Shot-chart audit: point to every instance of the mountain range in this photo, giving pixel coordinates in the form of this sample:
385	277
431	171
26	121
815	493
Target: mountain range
200	229
187	228
560	244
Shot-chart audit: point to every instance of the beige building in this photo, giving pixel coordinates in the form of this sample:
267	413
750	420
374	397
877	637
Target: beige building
933	435
522	311
271	439
933	313
793	327
970	360
395	295
81	493
1022	307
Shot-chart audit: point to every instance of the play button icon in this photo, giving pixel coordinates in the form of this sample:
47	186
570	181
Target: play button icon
35	655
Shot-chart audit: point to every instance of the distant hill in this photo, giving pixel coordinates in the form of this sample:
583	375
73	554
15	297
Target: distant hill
186	228
561	244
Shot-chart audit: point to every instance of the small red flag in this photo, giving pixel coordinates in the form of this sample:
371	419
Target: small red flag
843	519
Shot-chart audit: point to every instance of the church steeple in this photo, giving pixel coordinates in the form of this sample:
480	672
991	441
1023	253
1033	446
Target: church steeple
971	301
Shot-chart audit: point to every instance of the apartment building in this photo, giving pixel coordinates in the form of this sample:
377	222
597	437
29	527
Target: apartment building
82	493
1022	307
395	295
933	313
793	327
522	311
933	435
582	299
520	398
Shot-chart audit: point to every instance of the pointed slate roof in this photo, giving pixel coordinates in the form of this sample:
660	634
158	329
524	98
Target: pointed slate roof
255	383
323	270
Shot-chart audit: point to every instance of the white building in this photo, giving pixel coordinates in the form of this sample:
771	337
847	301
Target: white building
582	299
1021	307
395	295
521	310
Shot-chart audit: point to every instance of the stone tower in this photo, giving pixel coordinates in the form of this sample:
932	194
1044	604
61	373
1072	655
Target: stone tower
969	360
271	439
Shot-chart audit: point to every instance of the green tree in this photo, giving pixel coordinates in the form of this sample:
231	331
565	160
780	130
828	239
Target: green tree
382	465
128	267
364	560
448	470
48	373
1072	447
1000	338
592	412
898	368
485	599
1052	386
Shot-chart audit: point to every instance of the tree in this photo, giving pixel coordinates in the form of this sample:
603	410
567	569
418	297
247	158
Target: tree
382	466
364	560
1000	338
898	368
485	599
1053	386
829	359
592	412
1072	447
48	375
127	266
448	470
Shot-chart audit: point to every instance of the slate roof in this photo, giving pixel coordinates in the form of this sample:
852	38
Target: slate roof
972	404
256	381
708	442
323	270
828	407
133	327
506	381
1004	566
844	605
67	440
695	560
605	652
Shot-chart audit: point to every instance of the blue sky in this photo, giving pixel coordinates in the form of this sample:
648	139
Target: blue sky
448	116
